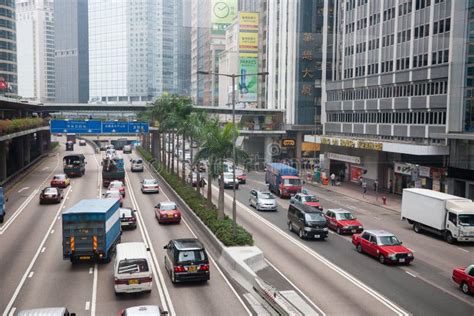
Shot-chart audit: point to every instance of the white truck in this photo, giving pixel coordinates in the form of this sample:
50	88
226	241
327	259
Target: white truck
447	215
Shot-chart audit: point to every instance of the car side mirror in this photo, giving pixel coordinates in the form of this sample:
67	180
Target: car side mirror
165	247
134	211
401	242
148	249
157	205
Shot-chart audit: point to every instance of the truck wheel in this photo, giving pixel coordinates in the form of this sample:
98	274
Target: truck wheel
417	228
449	238
465	288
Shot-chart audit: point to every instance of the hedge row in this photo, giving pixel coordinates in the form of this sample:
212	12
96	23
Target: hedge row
18	125
222	229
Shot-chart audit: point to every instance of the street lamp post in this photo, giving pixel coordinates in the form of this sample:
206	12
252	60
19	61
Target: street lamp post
234	136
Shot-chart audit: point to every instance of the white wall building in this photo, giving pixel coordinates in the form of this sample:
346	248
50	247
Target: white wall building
35	49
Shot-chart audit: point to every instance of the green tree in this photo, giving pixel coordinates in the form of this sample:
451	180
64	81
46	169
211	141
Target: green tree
216	147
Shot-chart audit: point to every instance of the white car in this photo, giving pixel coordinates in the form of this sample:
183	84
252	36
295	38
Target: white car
150	186
229	181
127	149
137	165
145	310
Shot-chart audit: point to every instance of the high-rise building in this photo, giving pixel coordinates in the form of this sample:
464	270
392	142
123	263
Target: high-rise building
72	51
8	58
35	49
183	10
132	49
402	94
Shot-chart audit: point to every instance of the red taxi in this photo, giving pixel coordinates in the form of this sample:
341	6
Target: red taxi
60	181
342	221
464	277
167	212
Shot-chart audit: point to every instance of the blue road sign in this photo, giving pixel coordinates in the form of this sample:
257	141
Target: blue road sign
138	127
76	126
97	127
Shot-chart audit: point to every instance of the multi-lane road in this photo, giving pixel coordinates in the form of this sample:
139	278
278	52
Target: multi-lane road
330	274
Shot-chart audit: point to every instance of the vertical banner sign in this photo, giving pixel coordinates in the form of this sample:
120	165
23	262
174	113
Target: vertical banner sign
223	14
248	56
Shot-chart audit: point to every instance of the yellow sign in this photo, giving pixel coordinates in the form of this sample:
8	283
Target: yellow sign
352	143
288	142
310	146
248	20
248	41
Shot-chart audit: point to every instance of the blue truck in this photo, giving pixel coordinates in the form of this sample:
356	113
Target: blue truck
2	204
282	179
91	230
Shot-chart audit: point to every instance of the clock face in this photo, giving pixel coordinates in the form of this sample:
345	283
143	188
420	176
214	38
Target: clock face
221	10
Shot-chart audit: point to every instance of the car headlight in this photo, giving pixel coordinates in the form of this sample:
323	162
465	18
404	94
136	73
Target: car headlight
307	229
410	254
325	228
392	256
360	227
345	227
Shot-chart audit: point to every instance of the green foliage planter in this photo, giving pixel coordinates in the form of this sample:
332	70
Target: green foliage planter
18	125
222	229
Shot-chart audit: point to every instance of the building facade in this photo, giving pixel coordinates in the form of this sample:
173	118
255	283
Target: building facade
132	50
35	49
71	51
398	100
183	10
8	57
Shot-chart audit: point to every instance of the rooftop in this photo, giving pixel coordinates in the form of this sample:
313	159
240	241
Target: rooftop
91	206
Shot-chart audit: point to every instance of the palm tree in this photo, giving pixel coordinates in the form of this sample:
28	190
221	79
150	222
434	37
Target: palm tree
196	124
216	147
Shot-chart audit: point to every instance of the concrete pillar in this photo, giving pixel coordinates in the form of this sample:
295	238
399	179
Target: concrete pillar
47	140
3	160
270	149
19	146
299	145
39	141
27	148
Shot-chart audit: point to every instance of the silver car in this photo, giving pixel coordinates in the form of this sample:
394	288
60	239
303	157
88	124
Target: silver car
262	200
145	310
137	165
150	186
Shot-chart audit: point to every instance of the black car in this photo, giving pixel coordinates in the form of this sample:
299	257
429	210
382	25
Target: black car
51	195
186	260
307	221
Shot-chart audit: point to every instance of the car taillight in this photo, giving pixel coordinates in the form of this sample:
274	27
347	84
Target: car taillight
179	269
133	219
204	267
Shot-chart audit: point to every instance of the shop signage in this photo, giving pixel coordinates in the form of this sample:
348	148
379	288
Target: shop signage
288	142
352	143
345	158
403	168
424	171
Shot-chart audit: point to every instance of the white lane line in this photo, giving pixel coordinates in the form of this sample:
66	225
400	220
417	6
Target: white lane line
297	289
161	285
222	273
94	289
411	274
43	249
23	279
91	270
379	297
52	231
23	189
45	168
467	251
88	305
12	312
31	274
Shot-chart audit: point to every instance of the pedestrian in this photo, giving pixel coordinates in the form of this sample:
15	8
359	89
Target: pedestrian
376	184
333	179
390	186
342	175
364	188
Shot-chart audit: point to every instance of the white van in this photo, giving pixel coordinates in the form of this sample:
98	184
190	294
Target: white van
132	268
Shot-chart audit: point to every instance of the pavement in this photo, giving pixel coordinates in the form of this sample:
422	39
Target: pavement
393	201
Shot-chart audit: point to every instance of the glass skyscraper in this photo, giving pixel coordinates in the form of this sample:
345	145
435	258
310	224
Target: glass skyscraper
8	65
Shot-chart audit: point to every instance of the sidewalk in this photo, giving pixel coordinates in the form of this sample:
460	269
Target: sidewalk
354	190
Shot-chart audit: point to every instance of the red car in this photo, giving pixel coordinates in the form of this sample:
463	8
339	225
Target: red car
342	221
60	181
306	199
117	185
167	212
382	245
51	195
464	277
241	175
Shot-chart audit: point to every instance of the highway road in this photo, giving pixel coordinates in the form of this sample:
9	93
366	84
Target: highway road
35	275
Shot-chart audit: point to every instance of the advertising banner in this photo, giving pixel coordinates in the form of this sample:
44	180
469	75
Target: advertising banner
223	14
248	42
248	84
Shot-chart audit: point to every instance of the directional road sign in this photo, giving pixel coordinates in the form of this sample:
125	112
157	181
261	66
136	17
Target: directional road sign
97	127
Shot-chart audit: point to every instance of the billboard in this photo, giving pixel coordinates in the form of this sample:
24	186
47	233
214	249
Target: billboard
248	20
248	42
248	83
223	14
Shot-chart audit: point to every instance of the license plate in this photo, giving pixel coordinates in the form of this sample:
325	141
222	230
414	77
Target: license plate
84	258
353	231
170	215
192	269
401	260
133	281
316	236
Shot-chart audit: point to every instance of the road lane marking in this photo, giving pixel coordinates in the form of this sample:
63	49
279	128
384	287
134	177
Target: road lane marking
45	168
42	250
161	285
52	232
23	279
410	274
91	270
18	212
94	289
88	306
297	289
31	274
12	312
23	189
379	297
463	249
